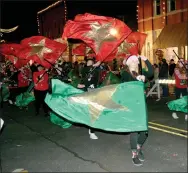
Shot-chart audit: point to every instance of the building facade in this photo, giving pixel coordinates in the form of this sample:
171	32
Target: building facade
158	18
52	19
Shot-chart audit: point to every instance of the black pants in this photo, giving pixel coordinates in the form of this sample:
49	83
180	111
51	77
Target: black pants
137	138
179	91
39	100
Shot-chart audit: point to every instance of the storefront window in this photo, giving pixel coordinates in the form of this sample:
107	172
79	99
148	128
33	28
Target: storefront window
157	7
171	5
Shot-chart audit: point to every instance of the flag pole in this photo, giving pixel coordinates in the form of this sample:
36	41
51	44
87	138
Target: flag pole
179	60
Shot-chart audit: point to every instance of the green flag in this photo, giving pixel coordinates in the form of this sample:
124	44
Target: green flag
24	99
55	119
118	108
110	79
179	105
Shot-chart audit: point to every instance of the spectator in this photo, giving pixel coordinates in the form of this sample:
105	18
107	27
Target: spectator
163	74
171	67
156	71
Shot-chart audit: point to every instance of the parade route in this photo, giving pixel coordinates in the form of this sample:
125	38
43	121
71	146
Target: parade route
36	145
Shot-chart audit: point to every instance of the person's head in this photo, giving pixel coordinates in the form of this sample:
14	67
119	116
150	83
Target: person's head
163	61
132	62
171	61
155	65
90	61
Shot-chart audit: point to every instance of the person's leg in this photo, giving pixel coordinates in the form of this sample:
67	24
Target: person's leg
177	93
45	106
133	143
92	134
37	101
141	140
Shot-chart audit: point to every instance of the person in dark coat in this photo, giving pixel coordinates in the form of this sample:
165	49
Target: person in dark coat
163	74
172	66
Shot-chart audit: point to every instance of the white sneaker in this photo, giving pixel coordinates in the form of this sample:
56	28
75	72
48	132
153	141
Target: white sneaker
92	135
10	102
174	115
1	123
186	117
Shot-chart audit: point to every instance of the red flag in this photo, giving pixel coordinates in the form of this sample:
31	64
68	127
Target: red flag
42	50
132	45
10	49
79	49
102	34
17	62
138	38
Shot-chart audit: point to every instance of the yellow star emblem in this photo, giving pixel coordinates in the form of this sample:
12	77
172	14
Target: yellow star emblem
100	33
39	49
98	100
124	47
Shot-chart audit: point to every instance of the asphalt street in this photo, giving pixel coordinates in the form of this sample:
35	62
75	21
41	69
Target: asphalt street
37	145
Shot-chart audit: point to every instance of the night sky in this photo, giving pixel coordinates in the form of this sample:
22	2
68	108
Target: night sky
23	13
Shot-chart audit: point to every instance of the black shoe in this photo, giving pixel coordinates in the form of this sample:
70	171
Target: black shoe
141	155
136	161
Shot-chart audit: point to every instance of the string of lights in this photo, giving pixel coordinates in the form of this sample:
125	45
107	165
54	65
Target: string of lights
50	6
65	9
164	14
137	15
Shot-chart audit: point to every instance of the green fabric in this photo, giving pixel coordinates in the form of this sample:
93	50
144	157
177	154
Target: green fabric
180	105
74	77
5	93
24	99
55	119
114	111
110	79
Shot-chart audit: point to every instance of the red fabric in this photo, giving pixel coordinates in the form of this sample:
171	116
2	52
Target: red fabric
79	49
18	63
135	42
43	84
138	38
82	25
10	49
22	81
180	83
55	50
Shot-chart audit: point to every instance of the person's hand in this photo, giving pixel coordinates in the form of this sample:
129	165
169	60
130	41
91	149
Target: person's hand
141	78
30	62
80	86
97	64
143	58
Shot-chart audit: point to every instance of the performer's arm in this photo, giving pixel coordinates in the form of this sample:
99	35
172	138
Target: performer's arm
179	75
150	71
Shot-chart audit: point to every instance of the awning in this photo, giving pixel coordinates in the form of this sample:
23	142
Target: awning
172	36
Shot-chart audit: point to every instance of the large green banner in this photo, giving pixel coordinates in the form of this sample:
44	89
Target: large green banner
118	108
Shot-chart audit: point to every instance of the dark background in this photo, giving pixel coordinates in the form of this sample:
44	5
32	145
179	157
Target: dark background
24	14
